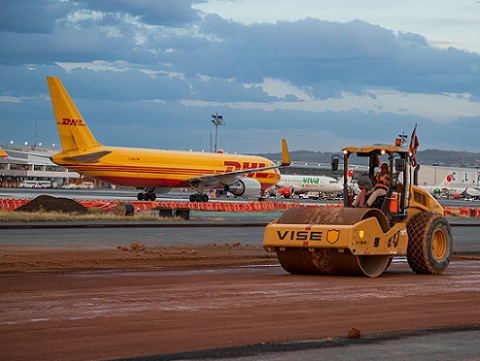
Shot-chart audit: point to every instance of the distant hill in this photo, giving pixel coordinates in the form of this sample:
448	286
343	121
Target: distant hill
426	157
449	158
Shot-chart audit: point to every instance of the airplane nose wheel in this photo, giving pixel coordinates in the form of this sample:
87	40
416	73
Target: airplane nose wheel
146	196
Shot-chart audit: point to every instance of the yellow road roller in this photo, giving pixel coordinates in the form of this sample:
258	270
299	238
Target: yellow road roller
363	236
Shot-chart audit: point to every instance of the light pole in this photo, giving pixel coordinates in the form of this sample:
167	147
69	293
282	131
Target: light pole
217	120
435	165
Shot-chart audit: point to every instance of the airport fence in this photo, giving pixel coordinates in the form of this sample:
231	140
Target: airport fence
10	204
143	206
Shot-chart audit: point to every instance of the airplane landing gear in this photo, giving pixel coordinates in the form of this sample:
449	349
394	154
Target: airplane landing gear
147	196
198	197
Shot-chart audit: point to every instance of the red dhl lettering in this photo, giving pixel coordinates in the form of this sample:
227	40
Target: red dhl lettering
236	166
231	165
257	175
247	165
74	122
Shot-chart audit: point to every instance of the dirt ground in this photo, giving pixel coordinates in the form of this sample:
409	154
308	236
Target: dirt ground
107	304
135	257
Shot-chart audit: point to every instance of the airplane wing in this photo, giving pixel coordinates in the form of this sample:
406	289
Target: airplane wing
472	191
90	158
5	157
30	152
209	180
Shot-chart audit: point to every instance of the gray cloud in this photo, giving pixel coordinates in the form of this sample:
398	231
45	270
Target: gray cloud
208	58
174	13
31	17
326	57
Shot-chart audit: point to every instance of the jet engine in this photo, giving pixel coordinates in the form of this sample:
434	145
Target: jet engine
246	187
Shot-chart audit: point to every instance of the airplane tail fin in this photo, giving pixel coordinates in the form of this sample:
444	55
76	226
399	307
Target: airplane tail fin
349	177
72	129
446	182
285	154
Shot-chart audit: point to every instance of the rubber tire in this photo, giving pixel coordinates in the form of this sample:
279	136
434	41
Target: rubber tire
140	196
152	197
429	243
129	210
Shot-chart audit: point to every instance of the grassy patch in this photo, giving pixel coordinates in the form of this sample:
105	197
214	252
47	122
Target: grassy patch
91	215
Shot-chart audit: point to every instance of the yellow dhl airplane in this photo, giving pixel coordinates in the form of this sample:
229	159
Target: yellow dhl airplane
150	169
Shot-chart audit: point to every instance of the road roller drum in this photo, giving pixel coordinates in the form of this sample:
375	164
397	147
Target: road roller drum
340	241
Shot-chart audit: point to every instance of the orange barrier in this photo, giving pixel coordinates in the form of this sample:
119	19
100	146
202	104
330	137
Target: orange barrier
11	204
254	206
473	212
142	206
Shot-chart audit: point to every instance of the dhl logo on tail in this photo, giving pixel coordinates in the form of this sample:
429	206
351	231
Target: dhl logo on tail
73	122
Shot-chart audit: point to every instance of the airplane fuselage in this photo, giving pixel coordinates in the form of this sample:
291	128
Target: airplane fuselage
163	168
303	184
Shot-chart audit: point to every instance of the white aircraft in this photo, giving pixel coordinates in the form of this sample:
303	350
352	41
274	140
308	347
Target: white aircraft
473	192
445	186
298	184
350	183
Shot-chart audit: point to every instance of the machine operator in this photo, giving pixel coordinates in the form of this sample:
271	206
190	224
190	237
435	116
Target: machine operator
380	188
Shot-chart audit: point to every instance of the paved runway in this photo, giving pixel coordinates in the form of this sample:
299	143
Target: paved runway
452	344
465	234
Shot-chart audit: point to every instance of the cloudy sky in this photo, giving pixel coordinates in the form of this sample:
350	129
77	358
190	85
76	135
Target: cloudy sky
321	73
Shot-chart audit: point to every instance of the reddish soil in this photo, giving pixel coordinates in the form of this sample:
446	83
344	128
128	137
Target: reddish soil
15	259
106	304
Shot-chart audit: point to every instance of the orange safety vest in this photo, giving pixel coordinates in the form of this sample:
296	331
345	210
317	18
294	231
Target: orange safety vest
382	180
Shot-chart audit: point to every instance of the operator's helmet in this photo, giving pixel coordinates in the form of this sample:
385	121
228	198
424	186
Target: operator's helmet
384	166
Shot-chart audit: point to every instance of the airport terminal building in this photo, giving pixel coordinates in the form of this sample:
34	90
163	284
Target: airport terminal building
33	168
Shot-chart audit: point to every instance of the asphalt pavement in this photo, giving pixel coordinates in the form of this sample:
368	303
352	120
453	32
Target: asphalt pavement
437	344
